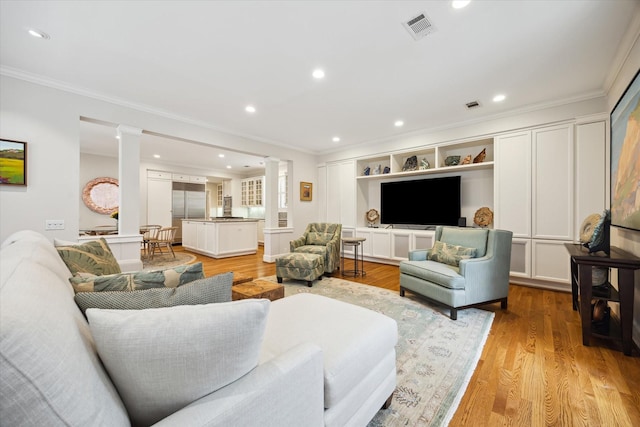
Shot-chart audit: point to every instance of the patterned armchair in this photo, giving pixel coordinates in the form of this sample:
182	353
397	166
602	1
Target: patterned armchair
321	238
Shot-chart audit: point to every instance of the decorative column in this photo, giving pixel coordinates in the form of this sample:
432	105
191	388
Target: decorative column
129	176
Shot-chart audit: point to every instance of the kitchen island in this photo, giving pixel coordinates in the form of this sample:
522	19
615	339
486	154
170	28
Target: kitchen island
221	237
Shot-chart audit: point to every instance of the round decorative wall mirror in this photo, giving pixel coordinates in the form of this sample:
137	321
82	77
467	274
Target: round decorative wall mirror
101	195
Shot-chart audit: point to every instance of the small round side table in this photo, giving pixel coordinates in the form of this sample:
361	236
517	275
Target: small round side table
355	243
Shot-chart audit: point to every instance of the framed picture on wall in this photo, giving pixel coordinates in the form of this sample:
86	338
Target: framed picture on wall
13	162
625	152
306	191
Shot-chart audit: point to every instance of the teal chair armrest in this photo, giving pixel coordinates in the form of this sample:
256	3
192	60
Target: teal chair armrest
419	255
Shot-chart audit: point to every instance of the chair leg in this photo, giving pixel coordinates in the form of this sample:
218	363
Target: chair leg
453	314
387	403
171	248
503	303
401	292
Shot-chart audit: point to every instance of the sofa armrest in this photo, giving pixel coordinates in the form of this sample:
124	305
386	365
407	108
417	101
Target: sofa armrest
287	390
300	241
419	255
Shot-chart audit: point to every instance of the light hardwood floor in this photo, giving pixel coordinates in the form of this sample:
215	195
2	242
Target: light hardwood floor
534	370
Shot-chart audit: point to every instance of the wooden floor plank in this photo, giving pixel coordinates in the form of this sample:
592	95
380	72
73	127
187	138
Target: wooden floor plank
533	370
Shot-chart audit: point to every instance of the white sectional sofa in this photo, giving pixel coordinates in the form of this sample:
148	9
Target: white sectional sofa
56	368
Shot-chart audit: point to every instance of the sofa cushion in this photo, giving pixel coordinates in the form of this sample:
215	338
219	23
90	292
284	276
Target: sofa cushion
168	278
93	257
318	238
450	254
203	291
435	272
467	237
162	359
49	370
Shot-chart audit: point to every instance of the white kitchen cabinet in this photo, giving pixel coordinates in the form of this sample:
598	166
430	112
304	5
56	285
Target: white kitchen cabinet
261	232
159	202
220	239
189	234
401	244
252	191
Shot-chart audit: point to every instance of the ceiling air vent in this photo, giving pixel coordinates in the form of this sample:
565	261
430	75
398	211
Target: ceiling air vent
419	26
472	104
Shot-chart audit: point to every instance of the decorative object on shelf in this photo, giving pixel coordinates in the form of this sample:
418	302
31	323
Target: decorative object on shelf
376	170
625	169
101	195
306	191
483	217
452	160
366	171
466	160
586	229
410	164
13	162
600	240
372	216
114	215
386	169
600	317
480	157
424	164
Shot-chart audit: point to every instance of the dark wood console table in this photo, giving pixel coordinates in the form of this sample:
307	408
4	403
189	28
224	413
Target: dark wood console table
582	290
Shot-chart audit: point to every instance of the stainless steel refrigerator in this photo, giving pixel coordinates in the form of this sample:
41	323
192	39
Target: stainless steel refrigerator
188	201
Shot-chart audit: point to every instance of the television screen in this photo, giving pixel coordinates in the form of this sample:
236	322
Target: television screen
434	201
625	152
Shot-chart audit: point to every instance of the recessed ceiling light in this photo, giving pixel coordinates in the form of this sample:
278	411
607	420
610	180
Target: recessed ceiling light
336	139
39	34
250	109
459	4
398	123
117	136
318	74
221	155
499	98
157	156
228	166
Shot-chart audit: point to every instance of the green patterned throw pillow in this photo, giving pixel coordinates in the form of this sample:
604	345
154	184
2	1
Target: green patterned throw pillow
450	254
94	257
169	278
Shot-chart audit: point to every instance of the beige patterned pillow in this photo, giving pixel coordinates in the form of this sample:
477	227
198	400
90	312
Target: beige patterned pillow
169	278
93	257
450	254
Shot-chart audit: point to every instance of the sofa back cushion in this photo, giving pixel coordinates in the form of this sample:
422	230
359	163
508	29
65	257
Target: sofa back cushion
49	370
466	237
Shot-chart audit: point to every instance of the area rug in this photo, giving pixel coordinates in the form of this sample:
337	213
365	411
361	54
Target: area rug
166	260
436	356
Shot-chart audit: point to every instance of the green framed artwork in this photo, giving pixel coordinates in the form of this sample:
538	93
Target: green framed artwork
13	162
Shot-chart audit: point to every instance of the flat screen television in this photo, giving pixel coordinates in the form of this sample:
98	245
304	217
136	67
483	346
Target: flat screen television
428	202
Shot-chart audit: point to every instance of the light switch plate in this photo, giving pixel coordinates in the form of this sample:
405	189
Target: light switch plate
54	224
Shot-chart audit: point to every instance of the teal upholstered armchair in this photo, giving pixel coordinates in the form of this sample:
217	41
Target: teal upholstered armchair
323	239
466	267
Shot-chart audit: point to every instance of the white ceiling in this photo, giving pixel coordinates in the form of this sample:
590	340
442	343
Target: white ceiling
206	60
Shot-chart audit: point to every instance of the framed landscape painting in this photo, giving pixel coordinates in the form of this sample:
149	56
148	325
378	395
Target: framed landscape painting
625	158
13	162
